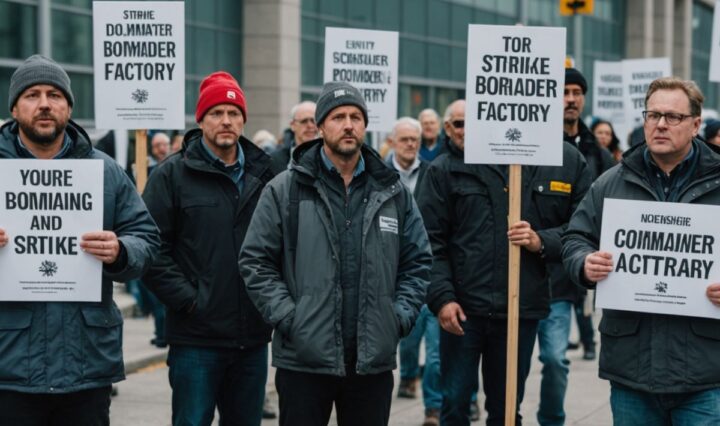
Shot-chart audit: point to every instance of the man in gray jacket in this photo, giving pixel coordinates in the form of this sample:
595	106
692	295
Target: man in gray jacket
58	360
337	260
663	369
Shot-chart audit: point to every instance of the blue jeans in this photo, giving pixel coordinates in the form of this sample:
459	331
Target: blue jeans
231	379
425	325
585	327
553	333
459	361
635	408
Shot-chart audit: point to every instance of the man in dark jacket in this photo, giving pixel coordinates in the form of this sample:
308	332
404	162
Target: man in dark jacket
60	359
465	208
202	199
337	260
663	369
304	129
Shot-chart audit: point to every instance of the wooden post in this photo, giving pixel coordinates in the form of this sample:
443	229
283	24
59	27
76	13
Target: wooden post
141	160
513	315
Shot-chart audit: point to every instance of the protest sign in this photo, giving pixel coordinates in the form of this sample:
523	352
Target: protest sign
46	206
514	93
368	60
608	98
637	76
663	257
139	58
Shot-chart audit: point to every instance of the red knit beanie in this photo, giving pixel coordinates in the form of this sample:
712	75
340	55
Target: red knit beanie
219	88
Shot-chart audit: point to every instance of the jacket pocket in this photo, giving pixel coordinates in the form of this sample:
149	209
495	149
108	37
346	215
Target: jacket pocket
312	332
102	343
552	197
382	332
15	345
619	341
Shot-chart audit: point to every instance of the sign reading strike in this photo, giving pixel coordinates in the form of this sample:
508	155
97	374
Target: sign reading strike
663	260
46	206
368	60
715	46
514	110
637	76
139	57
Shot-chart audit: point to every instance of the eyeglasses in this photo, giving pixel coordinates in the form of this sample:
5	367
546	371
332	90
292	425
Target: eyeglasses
458	124
671	118
305	121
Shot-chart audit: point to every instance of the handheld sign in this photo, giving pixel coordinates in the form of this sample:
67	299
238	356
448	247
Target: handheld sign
515	80
715	46
368	60
608	97
139	58
513	115
663	258
46	206
637	76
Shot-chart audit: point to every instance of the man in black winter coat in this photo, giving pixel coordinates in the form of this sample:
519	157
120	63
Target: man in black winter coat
202	199
465	209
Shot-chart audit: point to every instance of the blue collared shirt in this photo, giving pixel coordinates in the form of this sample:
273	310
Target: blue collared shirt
669	186
236	171
26	153
359	168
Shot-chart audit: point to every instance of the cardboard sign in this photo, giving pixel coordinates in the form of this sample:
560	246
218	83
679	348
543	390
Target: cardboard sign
46	206
139	58
367	60
515	79
664	257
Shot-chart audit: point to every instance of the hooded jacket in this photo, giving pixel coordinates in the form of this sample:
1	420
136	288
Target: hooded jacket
61	347
303	302
203	220
644	351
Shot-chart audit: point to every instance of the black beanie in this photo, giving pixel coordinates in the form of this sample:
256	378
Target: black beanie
38	69
711	129
573	76
335	94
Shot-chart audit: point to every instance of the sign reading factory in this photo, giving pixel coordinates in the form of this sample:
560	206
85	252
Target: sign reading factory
46	206
368	60
663	259
515	79
139	57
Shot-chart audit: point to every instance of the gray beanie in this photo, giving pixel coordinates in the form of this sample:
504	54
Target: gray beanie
335	94
38	69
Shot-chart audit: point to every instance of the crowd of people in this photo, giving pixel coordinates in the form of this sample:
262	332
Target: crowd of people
345	259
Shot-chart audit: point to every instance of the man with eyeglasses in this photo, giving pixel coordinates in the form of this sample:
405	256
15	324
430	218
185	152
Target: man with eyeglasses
465	209
663	369
304	129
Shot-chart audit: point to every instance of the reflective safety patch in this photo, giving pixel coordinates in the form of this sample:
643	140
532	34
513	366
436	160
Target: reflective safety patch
388	224
560	187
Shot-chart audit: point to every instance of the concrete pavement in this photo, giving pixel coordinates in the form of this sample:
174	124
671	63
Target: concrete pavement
144	398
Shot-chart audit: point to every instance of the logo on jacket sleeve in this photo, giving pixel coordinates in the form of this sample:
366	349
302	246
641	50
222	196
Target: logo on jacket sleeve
388	224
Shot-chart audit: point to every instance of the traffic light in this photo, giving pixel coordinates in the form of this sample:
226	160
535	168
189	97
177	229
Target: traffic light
574	7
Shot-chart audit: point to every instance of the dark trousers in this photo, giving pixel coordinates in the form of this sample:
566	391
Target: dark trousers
89	407
459	361
306	399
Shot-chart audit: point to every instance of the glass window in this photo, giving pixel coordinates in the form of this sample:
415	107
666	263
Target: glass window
360	12
387	15
229	47
78	3
18	30
202	11
700	55
231	14
204	50
192	87
72	38
439	19
458	60
412	58
332	7
439	61
414	17
461	17
82	87
312	63
5	74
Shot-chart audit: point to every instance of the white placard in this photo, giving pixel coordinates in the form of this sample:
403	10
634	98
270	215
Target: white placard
637	76
368	60
608	99
514	110
715	46
46	206
139	58
664	257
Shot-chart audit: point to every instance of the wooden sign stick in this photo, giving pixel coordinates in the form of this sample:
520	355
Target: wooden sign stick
513	314
141	160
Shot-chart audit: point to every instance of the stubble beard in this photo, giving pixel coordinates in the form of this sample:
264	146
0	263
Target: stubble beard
44	139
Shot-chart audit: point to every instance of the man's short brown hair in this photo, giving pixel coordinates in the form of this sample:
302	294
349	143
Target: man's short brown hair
691	89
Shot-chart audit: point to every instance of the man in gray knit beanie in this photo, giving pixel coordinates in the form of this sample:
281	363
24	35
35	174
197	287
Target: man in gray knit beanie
38	69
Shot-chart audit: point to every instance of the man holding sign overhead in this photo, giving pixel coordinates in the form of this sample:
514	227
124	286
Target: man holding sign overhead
663	369
59	359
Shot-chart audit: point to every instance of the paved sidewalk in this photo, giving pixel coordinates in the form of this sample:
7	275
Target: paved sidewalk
144	398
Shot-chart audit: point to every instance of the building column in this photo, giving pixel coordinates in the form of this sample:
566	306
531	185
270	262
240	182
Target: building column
639	29
682	45
271	63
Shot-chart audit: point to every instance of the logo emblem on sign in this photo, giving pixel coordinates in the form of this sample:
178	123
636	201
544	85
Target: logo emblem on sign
48	268
140	96
661	287
230	94
513	135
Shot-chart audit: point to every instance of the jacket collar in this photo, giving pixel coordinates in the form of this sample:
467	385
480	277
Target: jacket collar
80	145
256	161
708	161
